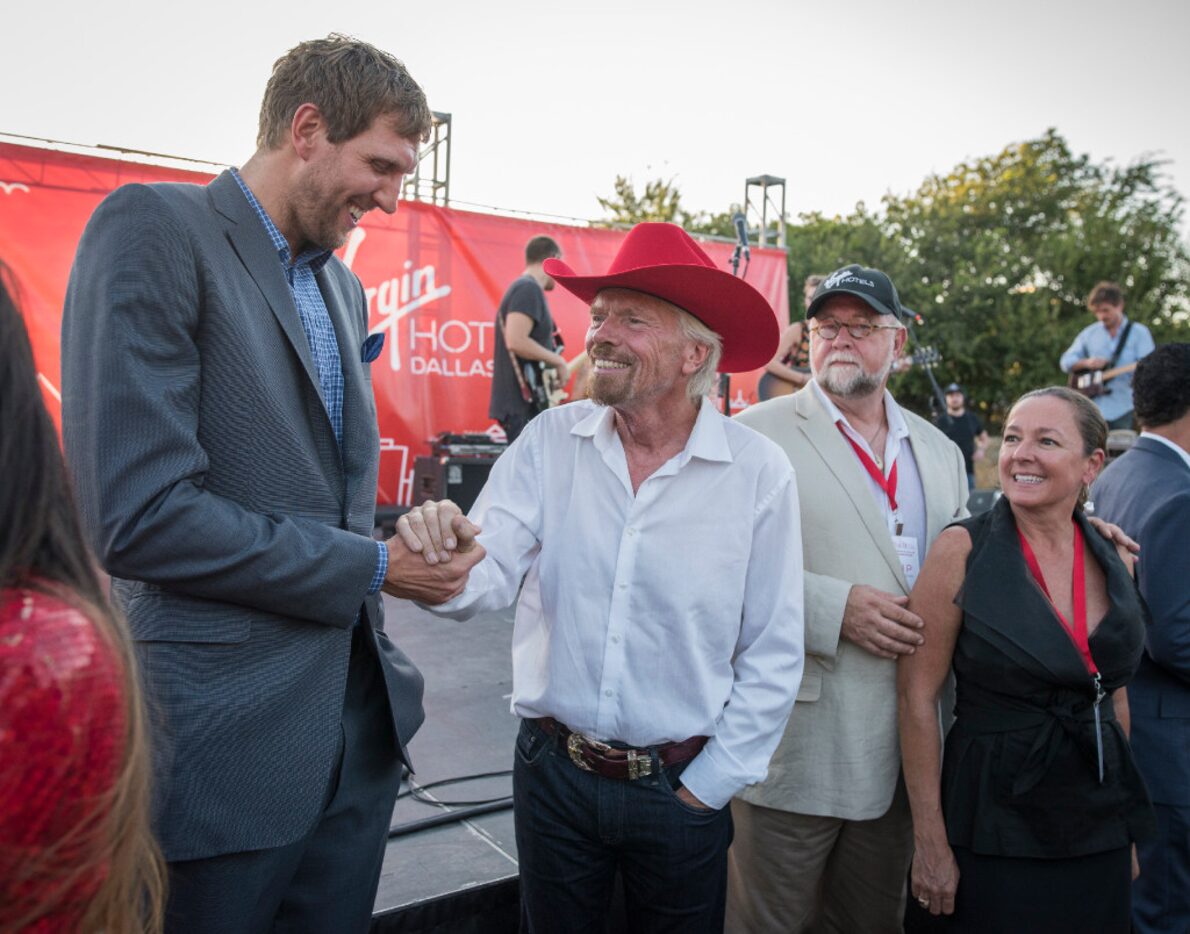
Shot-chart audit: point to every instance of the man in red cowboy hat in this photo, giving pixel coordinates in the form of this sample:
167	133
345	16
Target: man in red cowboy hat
657	647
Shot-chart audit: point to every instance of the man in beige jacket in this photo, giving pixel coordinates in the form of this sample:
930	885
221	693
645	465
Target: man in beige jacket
824	842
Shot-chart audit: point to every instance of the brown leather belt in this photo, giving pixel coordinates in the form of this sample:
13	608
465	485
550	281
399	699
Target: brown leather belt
590	755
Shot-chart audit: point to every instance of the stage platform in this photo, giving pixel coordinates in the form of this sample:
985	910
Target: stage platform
459	877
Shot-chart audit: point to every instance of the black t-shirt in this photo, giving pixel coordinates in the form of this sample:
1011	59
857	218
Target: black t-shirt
962	430
526	297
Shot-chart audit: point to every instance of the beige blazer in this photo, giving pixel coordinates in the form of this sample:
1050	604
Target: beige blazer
840	755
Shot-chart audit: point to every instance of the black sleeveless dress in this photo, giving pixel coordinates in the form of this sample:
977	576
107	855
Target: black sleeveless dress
1042	840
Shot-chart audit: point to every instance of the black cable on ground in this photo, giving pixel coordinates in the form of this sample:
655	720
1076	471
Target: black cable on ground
449	818
417	792
468	810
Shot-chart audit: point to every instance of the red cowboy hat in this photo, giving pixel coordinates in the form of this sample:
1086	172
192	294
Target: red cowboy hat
663	261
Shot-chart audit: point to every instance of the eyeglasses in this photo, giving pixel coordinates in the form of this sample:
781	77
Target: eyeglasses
829	330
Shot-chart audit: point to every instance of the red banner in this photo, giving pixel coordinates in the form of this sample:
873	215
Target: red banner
433	276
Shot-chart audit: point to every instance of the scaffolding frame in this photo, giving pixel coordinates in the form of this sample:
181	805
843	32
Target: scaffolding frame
757	208
432	186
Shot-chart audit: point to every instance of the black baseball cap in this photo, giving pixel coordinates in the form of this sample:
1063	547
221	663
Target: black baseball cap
953	387
870	285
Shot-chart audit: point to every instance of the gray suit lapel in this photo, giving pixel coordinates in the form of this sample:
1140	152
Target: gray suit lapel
936	476
815	423
252	245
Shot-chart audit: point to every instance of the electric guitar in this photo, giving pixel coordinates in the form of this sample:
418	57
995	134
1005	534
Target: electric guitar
1091	382
543	388
771	385
923	356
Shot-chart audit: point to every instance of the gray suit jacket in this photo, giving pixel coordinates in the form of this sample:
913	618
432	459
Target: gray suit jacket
213	490
1147	493
840	756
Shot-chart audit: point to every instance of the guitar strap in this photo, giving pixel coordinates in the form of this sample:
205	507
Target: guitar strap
526	394
1111	364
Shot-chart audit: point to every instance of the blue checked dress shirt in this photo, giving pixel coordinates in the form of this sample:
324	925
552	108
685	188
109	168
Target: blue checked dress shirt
320	333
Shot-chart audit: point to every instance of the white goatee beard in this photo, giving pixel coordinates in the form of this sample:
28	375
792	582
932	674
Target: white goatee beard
858	383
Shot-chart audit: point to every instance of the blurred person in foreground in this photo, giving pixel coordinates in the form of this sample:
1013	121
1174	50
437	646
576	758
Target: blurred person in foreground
1030	827
76	852
1147	491
657	647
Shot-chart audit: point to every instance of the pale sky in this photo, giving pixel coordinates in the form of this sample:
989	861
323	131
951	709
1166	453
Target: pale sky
550	101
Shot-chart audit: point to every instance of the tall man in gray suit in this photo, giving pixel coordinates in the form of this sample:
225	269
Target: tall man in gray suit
824	842
1147	491
220	426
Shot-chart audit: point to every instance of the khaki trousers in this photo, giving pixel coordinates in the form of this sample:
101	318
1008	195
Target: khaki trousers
791	873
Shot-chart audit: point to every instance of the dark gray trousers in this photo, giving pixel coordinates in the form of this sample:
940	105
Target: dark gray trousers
327	880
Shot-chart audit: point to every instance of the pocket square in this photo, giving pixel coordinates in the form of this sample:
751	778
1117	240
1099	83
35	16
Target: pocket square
372	347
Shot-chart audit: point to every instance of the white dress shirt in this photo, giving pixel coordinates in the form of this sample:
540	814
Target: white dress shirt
898	449
653	617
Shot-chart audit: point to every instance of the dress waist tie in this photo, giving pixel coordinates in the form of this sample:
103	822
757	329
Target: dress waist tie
1047	721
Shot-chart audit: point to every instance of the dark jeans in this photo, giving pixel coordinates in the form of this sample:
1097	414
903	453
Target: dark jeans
514	424
575	830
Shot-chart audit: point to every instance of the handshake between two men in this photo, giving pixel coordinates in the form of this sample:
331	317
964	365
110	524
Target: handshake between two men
432	554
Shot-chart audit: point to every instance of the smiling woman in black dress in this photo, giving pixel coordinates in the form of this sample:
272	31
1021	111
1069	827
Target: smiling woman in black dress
1027	823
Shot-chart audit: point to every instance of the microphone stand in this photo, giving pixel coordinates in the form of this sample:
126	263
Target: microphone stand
725	378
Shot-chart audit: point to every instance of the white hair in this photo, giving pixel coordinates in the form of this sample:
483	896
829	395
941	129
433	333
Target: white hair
703	379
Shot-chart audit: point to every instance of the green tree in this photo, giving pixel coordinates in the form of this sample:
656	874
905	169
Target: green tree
1001	252
997	256
660	201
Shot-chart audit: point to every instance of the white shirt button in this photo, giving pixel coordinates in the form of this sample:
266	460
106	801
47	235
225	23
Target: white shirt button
607	693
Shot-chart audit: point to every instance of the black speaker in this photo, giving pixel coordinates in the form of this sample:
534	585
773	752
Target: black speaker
455	478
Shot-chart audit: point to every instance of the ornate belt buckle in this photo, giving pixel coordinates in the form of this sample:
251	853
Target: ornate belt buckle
574	748
639	765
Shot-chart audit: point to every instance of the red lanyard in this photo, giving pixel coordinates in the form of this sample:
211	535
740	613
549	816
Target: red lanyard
890	485
1078	632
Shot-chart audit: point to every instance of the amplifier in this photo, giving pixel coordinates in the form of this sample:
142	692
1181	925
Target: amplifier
455	478
466	445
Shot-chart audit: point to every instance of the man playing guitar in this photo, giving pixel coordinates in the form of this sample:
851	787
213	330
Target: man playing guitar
1101	359
525	343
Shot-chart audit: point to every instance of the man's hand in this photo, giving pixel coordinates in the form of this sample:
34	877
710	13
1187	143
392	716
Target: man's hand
879	623
410	577
1091	363
1114	534
563	371
436	529
687	798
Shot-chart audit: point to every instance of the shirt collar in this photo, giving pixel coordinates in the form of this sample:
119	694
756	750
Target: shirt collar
897	426
313	257
708	439
1177	449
